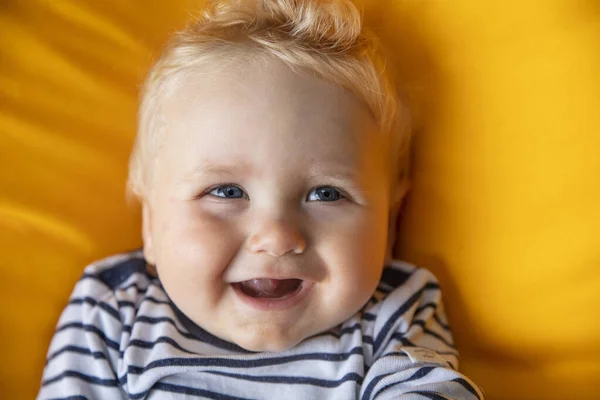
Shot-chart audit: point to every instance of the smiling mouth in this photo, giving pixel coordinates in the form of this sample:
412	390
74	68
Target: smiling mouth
266	288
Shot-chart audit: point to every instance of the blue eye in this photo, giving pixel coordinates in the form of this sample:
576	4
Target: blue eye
228	192
324	193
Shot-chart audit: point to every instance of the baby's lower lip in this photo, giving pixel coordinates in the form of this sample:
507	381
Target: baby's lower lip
274	304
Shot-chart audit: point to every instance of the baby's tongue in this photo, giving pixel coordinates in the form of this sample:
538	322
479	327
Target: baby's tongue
270	288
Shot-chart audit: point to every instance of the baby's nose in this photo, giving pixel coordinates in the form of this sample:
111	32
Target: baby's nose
276	238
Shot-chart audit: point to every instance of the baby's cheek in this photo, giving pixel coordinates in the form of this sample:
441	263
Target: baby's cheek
354	267
355	258
360	242
200	245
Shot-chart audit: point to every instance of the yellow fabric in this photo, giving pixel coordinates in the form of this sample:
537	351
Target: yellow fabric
504	207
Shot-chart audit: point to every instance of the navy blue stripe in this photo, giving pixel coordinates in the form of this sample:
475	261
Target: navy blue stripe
154	300
121	303
430	395
349	329
203	335
162	339
149	345
338	333
383	288
369	317
119	273
125	303
441	323
75	349
394	277
380	294
371	302
294	380
435	315
144	290
405	342
70	398
110	310
428	331
207	339
401	311
243	363
134	285
467	386
80	300
425	306
107	273
157	320
83	377
88	275
89	328
167	387
420	373
93	302
439	337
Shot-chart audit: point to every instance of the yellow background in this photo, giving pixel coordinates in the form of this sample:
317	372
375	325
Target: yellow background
505	207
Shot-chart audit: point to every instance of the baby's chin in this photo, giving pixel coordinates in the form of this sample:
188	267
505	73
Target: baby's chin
271	335
266	337
264	342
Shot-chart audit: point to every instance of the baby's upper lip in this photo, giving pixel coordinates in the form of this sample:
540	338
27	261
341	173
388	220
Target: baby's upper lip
281	271
271	276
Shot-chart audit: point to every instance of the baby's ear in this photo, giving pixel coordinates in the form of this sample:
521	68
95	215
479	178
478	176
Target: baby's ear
396	200
147	233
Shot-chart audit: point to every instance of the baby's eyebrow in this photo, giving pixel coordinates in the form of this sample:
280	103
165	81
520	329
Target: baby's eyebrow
334	172
335	177
207	170
315	172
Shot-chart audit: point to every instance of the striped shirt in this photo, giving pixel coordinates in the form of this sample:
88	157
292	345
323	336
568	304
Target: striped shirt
121	337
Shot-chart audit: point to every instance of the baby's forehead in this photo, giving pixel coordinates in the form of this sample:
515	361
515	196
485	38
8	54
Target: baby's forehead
242	84
261	97
268	117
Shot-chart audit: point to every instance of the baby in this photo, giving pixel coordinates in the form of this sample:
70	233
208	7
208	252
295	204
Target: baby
270	162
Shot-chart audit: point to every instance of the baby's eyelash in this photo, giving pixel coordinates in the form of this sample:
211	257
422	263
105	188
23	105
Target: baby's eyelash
227	191
320	193
327	193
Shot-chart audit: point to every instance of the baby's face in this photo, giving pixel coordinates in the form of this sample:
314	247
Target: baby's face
267	216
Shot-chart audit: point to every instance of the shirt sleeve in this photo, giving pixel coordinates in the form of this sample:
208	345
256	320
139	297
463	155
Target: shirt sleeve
84	351
413	354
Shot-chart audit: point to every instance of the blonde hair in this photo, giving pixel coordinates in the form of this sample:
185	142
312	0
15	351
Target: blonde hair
320	37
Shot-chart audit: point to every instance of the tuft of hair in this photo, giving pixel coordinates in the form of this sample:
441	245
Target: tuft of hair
324	38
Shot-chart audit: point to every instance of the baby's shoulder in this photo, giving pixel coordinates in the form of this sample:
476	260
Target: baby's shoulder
115	276
402	285
398	273
117	270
